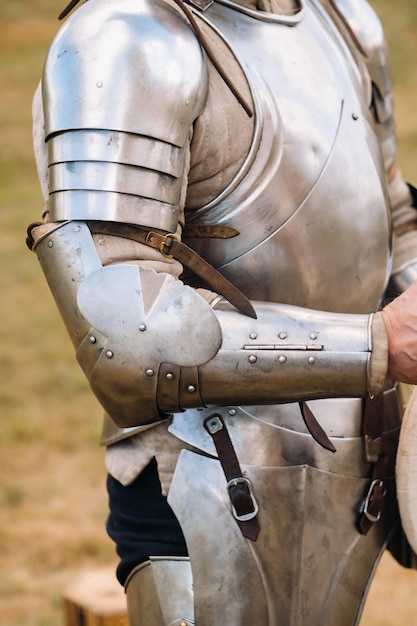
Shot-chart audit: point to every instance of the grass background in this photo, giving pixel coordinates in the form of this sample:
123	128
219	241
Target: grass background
53	503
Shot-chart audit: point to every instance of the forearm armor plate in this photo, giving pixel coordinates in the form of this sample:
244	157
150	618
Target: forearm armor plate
151	346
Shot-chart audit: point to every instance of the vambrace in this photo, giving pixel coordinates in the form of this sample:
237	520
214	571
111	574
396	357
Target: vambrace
287	354
150	345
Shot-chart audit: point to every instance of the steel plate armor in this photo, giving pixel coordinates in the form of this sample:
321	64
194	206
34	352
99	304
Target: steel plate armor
181	373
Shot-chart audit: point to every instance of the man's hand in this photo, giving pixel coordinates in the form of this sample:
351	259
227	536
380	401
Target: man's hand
400	319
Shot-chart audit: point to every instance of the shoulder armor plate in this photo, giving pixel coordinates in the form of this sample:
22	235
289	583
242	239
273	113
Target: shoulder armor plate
118	57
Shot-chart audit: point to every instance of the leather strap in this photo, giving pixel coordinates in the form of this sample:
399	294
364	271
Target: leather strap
314	428
209	231
68	9
170	247
374	500
244	506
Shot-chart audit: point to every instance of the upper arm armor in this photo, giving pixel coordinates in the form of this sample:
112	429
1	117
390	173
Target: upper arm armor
128	65
123	82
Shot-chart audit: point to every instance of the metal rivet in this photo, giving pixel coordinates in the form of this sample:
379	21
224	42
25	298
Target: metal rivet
311	360
77	229
169	376
282	335
191	388
93	339
109	354
99	84
149	372
282	359
252	358
142	328
213	424
232	411
314	335
50	244
355	116
253	335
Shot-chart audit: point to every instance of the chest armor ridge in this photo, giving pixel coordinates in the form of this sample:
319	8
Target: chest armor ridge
310	201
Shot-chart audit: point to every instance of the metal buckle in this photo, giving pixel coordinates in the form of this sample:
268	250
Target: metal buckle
367	501
248	516
159	241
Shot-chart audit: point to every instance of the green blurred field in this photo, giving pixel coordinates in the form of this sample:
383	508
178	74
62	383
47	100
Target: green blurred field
52	498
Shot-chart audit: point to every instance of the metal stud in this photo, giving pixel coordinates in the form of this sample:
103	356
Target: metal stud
109	354
169	376
282	359
252	358
93	339
50	244
253	335
232	412
149	372
191	388
142	328
311	360
314	335
282	335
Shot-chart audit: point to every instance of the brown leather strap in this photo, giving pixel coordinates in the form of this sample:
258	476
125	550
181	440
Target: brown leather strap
68	9
374	500
372	428
209	231
210	54
244	505
314	428
170	247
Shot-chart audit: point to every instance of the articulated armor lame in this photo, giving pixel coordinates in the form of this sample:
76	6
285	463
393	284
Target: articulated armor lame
116	153
151	150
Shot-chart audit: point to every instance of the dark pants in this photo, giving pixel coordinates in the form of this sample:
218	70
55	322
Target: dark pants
141	522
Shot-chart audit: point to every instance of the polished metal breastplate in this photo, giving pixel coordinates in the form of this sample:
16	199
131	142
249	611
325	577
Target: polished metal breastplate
310	201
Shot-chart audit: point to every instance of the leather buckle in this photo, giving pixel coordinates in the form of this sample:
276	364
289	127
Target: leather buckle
235	482
161	242
373	504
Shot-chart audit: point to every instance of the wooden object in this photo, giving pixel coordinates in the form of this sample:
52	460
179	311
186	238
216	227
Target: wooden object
95	598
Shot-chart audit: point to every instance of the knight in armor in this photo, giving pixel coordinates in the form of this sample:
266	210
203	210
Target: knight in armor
233	251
